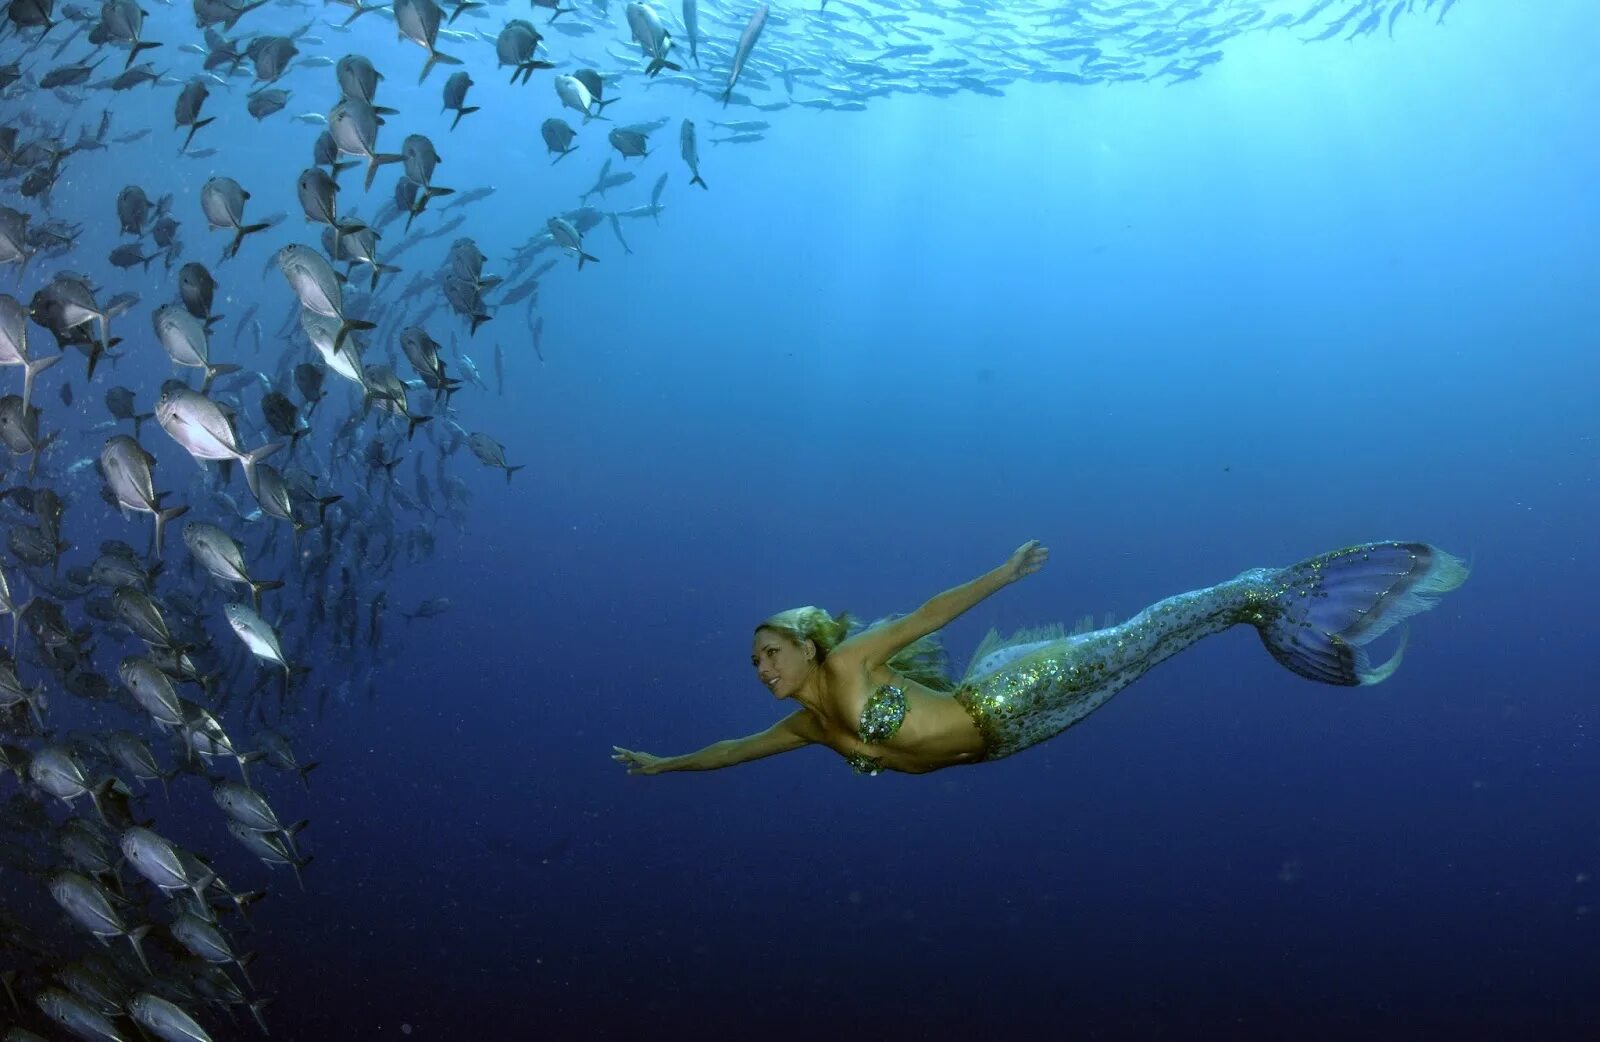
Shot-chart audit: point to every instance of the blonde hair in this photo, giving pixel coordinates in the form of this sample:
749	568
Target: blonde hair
923	660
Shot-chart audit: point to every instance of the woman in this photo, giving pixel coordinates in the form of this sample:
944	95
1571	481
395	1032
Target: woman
880	699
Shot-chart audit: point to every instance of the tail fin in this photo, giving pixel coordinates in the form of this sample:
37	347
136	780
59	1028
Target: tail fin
215	370
463	5
250	459
31	370
238	237
260	586
348	326
162	517
435	58
465	110
136	937
360	10
1329	607
133	52
196	125
378	159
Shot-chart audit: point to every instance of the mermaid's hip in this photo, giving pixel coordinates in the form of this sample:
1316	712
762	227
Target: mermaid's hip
1038	698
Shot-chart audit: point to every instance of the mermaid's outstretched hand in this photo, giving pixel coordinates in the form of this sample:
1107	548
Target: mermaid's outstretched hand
1029	558
638	763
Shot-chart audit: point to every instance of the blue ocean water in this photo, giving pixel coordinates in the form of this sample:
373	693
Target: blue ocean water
1323	294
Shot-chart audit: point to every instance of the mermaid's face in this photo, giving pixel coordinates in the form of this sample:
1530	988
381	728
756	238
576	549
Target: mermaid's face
781	665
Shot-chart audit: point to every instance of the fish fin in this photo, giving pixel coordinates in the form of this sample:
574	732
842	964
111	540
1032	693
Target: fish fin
162	517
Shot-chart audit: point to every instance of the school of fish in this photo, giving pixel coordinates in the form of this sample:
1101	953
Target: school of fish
174	623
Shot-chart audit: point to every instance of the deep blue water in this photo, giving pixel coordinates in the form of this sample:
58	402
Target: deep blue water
1323	294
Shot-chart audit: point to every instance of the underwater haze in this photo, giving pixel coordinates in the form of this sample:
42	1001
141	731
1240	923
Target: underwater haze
1172	286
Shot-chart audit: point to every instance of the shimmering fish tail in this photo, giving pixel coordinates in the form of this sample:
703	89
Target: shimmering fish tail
240	231
31	370
163	516
435	58
1318	615
194	126
133	52
461	7
250	459
377	159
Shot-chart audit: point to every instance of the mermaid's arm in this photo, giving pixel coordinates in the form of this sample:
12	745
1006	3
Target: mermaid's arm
794	731
881	643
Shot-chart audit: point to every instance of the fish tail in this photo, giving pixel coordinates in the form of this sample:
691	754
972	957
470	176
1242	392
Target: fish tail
348	326
294	830
1316	616
214	371
512	470
242	962
436	58
250	459
260	586
698	180
586	257
33	369
462	112
33	697
162	517
196	125
241	232
136	937
380	159
134	51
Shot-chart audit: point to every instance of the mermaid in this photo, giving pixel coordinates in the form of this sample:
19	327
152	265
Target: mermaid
881	697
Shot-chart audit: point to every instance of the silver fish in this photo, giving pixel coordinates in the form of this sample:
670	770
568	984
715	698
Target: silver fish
691	153
128	471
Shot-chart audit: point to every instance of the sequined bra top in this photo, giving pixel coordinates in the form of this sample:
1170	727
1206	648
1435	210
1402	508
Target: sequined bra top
880	719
